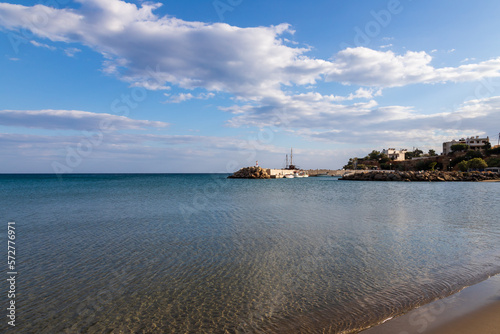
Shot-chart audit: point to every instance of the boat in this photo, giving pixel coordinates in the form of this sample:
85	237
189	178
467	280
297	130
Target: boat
300	174
289	176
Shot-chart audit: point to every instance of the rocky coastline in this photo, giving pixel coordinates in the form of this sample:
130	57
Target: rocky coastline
250	173
428	176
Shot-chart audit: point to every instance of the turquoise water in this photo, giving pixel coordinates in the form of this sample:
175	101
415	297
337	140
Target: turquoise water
205	254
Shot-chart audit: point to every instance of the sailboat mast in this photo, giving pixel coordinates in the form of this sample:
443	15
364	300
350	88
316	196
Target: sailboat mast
291	156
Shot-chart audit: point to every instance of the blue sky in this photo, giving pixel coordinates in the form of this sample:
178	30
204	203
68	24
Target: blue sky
211	86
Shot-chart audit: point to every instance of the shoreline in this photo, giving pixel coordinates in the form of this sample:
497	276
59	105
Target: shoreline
473	310
422	176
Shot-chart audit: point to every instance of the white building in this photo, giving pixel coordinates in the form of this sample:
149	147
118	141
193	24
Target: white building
474	143
396	155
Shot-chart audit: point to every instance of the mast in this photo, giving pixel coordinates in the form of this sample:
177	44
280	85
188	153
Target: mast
286	162
291	153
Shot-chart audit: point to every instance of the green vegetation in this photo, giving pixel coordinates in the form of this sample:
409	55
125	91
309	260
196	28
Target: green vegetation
493	151
463	166
459	148
493	162
488	157
415	154
471	154
428	165
371	161
476	163
374	155
462	158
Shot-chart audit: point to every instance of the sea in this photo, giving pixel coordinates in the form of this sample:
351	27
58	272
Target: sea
200	253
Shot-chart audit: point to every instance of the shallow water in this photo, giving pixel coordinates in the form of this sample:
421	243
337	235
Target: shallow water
206	254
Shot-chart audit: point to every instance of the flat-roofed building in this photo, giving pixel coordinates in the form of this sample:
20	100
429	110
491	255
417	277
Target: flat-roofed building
397	155
474	143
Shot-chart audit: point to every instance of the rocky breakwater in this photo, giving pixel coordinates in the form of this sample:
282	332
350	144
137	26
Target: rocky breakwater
250	173
429	176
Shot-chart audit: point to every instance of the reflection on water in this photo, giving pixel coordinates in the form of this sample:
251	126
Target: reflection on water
200	253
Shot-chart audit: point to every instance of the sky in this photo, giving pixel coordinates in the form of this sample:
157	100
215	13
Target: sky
110	86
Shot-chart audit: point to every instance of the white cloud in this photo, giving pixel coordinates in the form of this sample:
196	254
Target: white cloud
70	52
71	120
467	60
188	96
369	67
144	49
41	45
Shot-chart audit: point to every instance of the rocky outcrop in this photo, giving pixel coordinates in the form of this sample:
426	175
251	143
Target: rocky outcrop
250	173
428	176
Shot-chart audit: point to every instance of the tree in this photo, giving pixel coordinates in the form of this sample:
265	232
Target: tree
374	155
415	154
493	162
477	163
471	154
384	158
459	147
495	150
432	153
487	146
463	166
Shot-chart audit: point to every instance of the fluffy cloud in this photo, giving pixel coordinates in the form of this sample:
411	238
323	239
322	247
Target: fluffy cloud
144	49
319	117
141	47
369	67
71	120
399	125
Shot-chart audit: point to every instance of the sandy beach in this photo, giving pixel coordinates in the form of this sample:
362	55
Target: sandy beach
474	310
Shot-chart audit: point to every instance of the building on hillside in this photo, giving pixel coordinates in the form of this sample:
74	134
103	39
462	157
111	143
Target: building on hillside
397	155
474	143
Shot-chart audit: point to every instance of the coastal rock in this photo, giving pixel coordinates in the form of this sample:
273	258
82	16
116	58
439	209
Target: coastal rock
250	173
428	176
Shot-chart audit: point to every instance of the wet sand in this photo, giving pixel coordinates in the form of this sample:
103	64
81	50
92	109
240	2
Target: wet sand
474	310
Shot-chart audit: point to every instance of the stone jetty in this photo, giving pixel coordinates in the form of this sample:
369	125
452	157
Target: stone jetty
250	173
429	176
